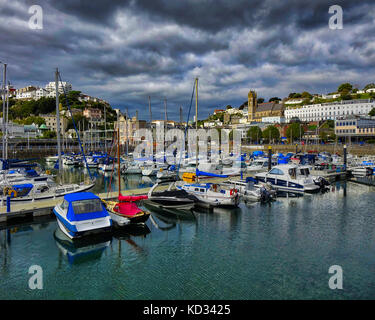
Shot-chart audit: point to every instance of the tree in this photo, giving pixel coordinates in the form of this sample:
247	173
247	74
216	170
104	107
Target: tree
295	131
228	107
369	86
372	112
345	87
48	134
254	133
78	118
274	99
271	133
306	95
260	100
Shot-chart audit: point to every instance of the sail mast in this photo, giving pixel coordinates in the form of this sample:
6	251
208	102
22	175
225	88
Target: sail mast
4	91
118	159
196	124
58	118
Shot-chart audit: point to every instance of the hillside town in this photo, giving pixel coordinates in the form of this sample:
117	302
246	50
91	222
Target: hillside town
341	116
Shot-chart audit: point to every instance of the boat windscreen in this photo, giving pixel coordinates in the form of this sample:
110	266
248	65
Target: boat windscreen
87	206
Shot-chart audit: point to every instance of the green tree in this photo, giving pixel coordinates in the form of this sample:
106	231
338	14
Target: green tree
48	134
274	99
345	87
372	112
295	131
254	134
79	118
369	86
306	95
271	133
228	107
260	100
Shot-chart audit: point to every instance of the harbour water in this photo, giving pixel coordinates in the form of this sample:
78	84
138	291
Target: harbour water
281	250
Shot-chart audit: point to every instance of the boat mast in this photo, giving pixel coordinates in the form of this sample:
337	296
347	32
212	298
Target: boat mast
126	128
118	159
7	123
105	129
58	118
4	90
196	125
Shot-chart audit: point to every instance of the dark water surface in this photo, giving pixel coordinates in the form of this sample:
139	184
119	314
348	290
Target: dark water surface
278	251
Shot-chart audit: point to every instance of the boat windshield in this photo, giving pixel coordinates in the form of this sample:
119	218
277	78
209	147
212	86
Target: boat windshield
305	172
87	206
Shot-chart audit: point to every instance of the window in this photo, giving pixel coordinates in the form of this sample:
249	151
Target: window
276	171
87	206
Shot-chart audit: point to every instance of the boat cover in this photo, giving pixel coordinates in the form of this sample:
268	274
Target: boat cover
127	208
131	198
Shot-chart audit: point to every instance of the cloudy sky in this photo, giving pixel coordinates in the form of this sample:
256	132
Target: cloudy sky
124	51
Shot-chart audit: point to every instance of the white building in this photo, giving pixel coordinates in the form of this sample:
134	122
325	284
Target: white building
273	119
294	101
330	111
51	87
41	92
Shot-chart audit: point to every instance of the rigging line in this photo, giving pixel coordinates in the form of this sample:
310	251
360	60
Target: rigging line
187	124
75	128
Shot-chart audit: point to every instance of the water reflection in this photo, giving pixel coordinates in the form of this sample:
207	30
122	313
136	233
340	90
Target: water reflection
82	250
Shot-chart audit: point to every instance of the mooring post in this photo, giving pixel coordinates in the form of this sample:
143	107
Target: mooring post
344	157
269	157
8	204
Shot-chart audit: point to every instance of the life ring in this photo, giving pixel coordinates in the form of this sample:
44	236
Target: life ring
12	192
231	192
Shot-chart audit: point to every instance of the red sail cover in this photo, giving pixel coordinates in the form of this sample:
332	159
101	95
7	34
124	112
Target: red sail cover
122	198
127	208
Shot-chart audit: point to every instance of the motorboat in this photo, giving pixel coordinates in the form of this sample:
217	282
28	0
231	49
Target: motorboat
166	174
41	190
153	169
171	199
288	177
82	213
211	194
132	168
125	211
249	190
259	165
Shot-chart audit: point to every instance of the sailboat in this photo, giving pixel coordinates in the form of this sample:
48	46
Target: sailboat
125	211
208	194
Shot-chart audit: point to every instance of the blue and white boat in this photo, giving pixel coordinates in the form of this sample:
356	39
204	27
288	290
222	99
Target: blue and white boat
289	177
81	214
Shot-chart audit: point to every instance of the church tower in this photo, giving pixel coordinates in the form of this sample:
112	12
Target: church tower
251	105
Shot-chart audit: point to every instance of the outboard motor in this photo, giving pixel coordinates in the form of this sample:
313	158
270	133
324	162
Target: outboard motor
265	196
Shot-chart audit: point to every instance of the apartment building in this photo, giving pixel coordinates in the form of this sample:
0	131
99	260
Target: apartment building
330	111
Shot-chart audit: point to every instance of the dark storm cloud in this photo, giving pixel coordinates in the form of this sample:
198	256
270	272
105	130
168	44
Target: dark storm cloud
124	51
